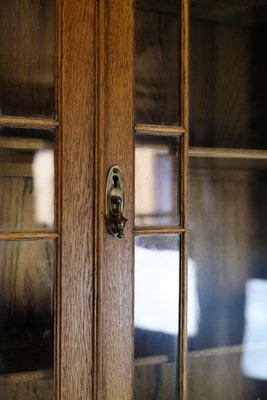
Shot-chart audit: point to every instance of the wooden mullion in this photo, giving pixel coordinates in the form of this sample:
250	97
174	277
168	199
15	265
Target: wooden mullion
58	202
209	152
160	130
150	230
28	235
182	392
42	123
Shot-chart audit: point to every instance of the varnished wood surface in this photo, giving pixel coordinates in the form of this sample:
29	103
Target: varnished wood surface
21	143
183	287
115	146
28	122
150	230
159	130
27	235
226	153
77	178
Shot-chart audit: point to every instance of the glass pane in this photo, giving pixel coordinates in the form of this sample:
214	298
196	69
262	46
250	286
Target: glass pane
157	177
27	31
158	62
156	316
26	310
32	390
227	322
26	179
228	63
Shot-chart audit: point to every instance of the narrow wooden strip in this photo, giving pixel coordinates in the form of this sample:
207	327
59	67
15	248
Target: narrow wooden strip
30	235
159	130
149	230
28	122
207	152
20	377
184	201
154	360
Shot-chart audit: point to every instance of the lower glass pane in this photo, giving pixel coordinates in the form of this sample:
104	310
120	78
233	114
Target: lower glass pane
227	303
157	262
26	317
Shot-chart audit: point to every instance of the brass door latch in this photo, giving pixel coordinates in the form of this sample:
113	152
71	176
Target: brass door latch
115	202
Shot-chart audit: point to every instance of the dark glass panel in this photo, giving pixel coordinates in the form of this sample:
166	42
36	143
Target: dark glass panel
27	32
228	80
26	306
227	302
158	62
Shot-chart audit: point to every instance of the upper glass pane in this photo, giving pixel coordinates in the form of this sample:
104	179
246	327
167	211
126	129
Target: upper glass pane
156	316
26	179
227	291
157	180
158	62
228	64
27	32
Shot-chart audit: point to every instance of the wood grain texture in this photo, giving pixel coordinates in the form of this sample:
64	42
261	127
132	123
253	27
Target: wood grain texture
183	289
150	230
115	256
159	129
76	112
28	122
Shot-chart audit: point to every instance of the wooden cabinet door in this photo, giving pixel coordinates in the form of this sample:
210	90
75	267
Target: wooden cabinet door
68	78
133	78
47	120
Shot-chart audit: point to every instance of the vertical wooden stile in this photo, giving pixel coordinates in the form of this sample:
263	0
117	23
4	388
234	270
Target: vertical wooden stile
184	196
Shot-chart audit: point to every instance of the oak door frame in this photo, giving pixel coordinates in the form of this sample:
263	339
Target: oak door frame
76	108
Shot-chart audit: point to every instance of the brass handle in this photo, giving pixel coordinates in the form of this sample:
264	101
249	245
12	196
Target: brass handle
117	220
115	202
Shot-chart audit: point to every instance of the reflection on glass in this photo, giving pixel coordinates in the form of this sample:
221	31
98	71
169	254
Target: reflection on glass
156	316
158	62
26	179
27	31
230	346
157	171
254	354
26	306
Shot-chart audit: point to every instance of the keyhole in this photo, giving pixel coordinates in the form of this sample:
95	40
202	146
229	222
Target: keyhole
115	180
